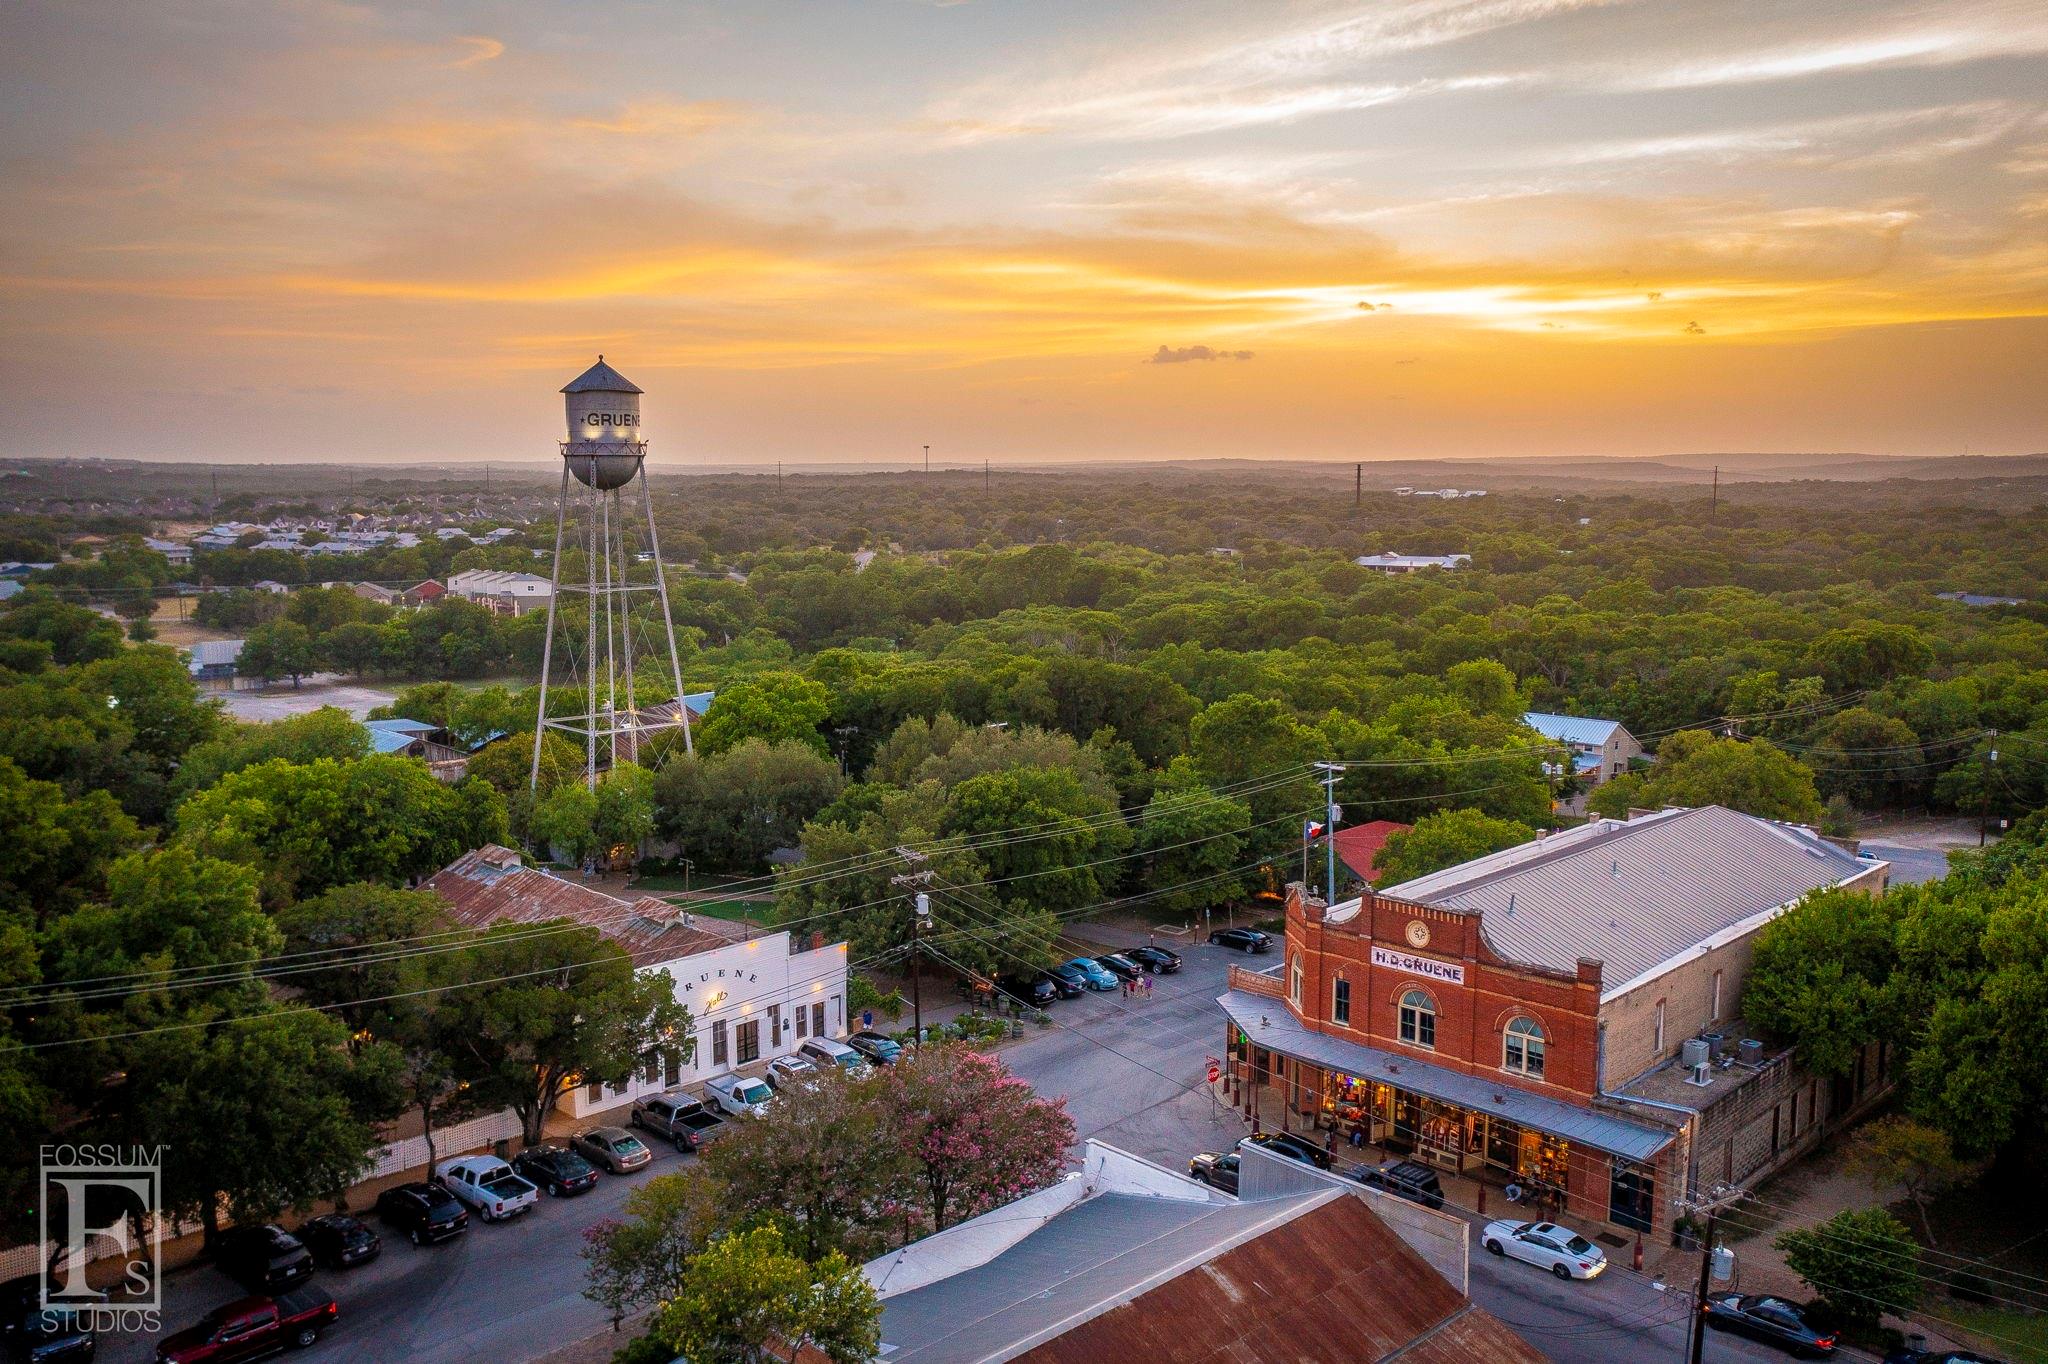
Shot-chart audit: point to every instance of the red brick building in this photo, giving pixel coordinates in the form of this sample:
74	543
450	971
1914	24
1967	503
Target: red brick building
1510	1019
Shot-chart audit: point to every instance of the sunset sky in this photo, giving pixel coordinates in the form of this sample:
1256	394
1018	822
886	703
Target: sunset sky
1025	229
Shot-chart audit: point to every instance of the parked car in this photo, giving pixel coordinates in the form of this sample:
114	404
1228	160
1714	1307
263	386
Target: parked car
878	1048
338	1240
1121	966
1216	1169
54	1335
1243	939
827	1052
21	1301
1772	1320
1409	1179
679	1116
1093	973
1289	1145
557	1169
1159	961
616	1149
489	1185
739	1095
424	1212
1546	1245
250	1328
1036	991
793	1069
1073	982
1912	1354
263	1259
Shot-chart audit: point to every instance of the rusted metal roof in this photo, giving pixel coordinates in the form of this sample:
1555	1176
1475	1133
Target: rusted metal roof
1333	1284
492	886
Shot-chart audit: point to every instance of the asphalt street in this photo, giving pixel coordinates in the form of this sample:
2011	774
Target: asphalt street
1910	866
1132	1073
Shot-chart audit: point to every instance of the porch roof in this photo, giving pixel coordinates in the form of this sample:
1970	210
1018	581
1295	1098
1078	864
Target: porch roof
1269	1023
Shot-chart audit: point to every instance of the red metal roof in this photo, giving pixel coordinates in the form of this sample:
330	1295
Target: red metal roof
1358	846
1334	1284
492	886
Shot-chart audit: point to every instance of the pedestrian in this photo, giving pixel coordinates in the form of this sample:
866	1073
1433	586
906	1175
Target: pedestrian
1358	1135
1123	987
1148	987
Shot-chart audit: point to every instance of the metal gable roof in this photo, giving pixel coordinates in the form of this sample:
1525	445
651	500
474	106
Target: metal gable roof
1571	729
601	378
1634	895
1269	1024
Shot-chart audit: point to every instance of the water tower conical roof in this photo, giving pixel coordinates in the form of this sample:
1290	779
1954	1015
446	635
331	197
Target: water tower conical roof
601	378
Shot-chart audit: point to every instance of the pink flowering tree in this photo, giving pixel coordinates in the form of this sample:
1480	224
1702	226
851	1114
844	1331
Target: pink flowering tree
976	1135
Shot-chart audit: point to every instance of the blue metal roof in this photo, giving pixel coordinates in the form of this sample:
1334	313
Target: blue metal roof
1570	729
1269	1024
401	726
1585	762
391	741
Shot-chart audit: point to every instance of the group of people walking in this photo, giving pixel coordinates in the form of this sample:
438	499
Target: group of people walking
1136	989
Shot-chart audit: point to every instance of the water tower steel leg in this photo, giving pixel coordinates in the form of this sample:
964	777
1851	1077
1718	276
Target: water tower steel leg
611	632
547	648
626	625
668	621
590	658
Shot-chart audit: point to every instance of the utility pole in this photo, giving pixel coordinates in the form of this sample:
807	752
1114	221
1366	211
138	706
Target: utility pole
1331	814
927	459
1984	792
984	475
922	904
1357	486
1714	503
1718	1197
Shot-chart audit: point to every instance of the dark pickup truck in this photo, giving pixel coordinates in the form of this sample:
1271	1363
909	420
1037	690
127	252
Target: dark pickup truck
251	1328
680	1117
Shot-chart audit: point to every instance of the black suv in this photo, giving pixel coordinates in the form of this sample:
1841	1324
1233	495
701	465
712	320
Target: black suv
1157	960
1288	1145
1218	1171
1243	939
425	1212
1407	1179
338	1240
263	1259
1036	991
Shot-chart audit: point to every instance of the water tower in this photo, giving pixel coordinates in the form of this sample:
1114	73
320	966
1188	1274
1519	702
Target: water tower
625	625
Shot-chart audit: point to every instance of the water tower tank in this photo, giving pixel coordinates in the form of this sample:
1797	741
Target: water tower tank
606	442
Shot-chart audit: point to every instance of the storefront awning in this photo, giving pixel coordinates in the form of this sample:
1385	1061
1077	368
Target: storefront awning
1268	1024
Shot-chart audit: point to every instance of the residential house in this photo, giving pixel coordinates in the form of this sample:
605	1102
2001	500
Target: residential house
178	555
213	660
1517	1017
1980	599
752	995
1127	1260
272	586
1358	846
374	592
430	743
424	593
1411	563
509	594
1601	749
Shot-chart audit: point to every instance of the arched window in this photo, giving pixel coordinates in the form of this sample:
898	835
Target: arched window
1294	980
1522	1048
1418	1019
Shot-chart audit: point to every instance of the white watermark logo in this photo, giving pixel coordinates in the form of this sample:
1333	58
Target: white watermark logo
103	1205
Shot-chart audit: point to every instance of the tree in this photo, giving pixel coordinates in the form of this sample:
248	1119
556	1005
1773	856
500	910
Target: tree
332	938
564	823
1818	973
1697	768
554	1004
976	1135
1863	656
352	647
1068	857
1195	843
312	826
636	1262
1445	839
328	732
1240	741
1861	1264
1897	1152
729	811
277	649
1874	760
831	1170
776	705
747	1300
507	764
624	817
54	851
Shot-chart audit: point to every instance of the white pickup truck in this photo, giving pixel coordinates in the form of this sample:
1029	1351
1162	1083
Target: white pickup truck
488	1185
738	1095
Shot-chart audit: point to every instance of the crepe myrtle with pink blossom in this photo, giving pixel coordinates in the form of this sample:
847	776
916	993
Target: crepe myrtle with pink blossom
976	1135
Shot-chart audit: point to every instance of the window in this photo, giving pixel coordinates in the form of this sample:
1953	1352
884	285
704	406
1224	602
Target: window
749	1034
1294	981
718	1043
1715	1016
1522	1048
594	1091
775	1025
1660	1027
1340	1004
672	1070
818	1018
1418	1019
803	1021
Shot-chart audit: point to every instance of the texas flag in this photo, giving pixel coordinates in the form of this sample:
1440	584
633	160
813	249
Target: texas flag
1312	829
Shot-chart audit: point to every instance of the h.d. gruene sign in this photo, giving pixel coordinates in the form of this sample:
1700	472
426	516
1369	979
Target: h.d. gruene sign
1448	971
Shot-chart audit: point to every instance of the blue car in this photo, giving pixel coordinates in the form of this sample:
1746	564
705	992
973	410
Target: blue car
1093	972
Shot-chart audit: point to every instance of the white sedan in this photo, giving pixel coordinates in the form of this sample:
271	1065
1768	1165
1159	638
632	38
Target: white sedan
791	1069
1547	1245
